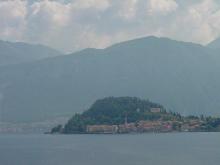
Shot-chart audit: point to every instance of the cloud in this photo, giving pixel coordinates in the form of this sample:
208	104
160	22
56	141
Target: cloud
198	22
95	4
70	25
50	12
161	6
12	19
127	9
64	25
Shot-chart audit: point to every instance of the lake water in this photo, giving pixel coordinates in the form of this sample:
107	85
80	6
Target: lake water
140	149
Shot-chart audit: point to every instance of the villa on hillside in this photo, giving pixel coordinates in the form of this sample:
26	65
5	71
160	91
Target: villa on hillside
155	110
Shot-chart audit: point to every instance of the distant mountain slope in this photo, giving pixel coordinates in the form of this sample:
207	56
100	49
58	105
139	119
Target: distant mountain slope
18	52
214	44
184	77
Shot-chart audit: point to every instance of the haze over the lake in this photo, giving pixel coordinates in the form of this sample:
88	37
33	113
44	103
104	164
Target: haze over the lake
166	51
109	82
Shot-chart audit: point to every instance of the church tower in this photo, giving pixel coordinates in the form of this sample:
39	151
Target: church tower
126	119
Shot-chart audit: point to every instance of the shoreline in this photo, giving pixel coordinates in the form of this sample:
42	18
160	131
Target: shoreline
132	133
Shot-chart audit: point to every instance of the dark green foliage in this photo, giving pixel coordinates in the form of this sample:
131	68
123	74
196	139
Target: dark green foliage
57	129
212	124
76	124
192	117
114	110
176	126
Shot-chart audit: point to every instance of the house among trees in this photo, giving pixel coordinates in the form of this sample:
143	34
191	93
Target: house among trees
155	110
107	129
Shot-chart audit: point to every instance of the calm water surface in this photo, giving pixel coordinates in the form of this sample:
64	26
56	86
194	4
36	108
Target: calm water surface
144	149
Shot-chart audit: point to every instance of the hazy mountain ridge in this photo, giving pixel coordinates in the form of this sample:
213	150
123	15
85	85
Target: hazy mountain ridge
19	52
182	76
214	44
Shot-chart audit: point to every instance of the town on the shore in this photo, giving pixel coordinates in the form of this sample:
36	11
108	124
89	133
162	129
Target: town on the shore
190	124
133	115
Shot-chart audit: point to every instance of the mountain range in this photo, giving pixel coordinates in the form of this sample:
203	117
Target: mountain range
182	76
19	52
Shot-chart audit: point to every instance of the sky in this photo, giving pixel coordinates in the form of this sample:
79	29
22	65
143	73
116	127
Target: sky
71	25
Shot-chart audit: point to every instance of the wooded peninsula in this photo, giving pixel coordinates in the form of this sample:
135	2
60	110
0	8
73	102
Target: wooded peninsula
118	115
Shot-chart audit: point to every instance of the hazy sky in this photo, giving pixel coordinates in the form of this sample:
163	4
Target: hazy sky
70	25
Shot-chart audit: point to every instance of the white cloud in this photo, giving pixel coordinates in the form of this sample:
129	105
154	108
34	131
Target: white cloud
127	9
61	24
96	4
161	6
71	25
50	12
200	22
12	19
